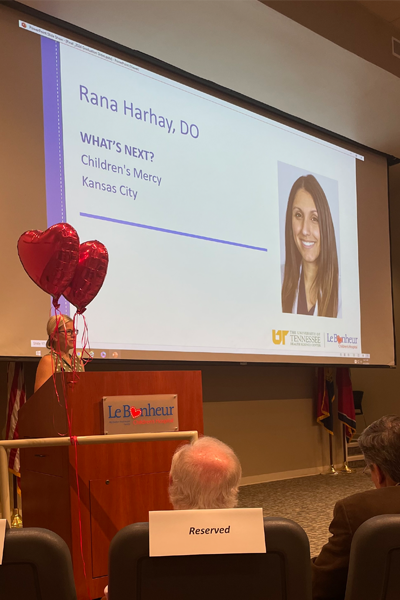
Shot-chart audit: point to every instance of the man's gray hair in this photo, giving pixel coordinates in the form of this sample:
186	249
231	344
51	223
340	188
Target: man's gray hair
204	474
380	444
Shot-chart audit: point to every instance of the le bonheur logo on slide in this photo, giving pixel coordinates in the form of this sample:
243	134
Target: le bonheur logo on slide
344	341
296	338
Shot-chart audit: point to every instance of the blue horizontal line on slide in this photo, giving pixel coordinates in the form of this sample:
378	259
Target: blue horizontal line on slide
173	232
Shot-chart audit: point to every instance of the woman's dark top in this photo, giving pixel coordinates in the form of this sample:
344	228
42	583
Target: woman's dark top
302	300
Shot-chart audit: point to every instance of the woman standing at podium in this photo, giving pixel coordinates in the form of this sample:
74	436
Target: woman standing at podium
61	339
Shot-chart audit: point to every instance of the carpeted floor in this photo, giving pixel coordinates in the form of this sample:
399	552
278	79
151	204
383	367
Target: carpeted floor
307	500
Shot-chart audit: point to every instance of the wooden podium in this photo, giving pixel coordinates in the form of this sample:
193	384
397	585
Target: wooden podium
119	483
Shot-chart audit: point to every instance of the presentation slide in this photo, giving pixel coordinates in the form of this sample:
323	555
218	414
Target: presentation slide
227	231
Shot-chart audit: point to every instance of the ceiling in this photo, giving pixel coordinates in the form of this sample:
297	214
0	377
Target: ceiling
387	10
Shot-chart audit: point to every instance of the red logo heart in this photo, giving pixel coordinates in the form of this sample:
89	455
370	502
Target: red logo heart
339	339
50	257
89	274
135	412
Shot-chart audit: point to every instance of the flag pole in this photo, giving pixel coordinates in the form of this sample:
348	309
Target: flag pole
346	468
332	470
16	519
346	411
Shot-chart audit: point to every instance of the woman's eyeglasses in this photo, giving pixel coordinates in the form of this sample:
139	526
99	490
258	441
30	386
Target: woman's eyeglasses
69	332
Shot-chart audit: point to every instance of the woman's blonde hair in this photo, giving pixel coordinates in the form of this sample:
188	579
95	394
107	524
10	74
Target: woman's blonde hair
56	321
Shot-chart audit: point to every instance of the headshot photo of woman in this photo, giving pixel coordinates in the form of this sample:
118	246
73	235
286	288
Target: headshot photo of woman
311	272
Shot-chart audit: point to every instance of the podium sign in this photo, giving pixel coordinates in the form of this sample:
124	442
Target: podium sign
140	414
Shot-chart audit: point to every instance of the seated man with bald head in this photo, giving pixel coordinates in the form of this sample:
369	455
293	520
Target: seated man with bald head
204	474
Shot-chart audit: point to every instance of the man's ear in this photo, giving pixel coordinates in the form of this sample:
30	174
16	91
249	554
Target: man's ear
380	478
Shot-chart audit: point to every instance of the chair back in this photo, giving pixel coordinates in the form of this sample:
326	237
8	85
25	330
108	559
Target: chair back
374	568
36	566
283	573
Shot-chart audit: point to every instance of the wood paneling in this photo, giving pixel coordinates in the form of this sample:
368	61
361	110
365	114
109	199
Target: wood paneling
117	502
45	460
46	502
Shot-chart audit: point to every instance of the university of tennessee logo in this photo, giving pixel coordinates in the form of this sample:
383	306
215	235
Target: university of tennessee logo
278	337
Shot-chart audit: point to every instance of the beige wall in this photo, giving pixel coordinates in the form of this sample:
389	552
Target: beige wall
274	439
382	386
268	415
347	24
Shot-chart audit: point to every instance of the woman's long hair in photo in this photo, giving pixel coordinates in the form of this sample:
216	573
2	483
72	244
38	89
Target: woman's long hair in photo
326	282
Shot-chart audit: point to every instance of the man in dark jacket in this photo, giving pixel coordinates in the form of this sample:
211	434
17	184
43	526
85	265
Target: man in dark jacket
380	445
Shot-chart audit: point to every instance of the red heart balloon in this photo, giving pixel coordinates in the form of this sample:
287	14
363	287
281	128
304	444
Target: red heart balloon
135	412
89	274
50	257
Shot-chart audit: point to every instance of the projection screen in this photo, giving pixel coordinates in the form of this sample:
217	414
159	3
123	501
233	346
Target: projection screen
234	233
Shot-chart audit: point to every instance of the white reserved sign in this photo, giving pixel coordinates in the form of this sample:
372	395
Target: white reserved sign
222	531
2	536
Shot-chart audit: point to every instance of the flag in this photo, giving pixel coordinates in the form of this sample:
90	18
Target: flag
346	410
325	397
15	399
